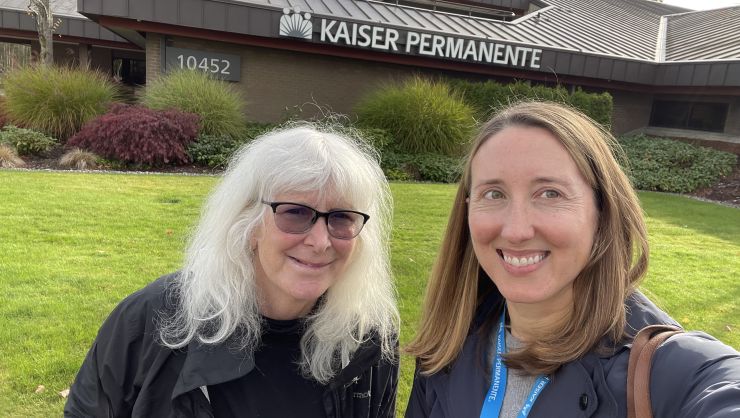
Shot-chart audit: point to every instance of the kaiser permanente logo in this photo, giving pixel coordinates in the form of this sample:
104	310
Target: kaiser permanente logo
296	25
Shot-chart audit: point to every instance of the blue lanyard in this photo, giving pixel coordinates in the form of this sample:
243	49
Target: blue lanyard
495	397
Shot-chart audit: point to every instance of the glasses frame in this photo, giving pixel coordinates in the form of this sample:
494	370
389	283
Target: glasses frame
316	215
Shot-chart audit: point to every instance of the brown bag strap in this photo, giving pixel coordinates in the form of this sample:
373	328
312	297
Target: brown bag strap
638	372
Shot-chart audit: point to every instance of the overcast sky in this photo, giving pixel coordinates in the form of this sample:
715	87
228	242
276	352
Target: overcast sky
703	4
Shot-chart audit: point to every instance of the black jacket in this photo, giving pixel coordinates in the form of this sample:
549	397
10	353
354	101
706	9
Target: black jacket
128	373
693	375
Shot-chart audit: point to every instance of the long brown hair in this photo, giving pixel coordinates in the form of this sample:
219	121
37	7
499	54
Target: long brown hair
617	263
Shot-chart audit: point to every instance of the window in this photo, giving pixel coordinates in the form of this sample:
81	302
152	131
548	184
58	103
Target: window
129	70
699	116
14	55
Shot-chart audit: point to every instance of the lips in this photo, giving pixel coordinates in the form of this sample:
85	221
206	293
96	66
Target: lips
311	264
523	259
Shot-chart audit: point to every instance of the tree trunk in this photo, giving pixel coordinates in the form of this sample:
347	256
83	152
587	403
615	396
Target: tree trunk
41	9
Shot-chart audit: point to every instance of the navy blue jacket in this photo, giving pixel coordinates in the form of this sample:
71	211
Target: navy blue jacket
693	375
127	373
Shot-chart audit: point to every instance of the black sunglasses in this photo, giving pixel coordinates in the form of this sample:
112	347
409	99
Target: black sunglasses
294	218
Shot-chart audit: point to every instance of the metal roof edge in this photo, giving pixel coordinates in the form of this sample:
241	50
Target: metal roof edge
533	15
701	11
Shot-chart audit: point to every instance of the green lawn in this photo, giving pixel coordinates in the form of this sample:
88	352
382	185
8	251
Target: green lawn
72	245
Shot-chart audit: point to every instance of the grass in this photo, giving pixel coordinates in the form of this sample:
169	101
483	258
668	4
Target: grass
72	245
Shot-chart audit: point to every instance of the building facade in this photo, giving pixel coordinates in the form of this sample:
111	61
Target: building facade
671	71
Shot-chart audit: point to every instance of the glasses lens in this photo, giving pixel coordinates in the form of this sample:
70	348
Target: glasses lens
293	219
345	225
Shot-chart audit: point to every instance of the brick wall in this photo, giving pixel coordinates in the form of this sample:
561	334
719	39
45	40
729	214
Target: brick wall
631	111
153	65
277	84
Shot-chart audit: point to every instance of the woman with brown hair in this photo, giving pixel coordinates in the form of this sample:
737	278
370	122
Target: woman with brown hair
532	304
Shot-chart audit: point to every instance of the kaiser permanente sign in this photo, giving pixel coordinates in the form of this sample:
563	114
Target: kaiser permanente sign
378	37
409	42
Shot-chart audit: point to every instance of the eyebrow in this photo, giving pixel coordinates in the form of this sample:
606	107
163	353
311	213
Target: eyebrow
538	180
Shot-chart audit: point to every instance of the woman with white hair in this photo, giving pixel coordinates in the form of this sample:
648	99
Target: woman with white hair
285	304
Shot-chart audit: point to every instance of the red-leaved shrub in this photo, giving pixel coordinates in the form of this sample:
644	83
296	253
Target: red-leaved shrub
136	134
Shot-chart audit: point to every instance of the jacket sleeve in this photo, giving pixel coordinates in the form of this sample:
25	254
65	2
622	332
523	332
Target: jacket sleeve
387	407
114	368
694	375
418	406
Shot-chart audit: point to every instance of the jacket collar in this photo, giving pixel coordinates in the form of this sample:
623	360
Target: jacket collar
207	364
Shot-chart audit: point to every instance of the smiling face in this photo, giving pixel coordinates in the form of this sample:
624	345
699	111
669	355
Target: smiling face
532	217
294	270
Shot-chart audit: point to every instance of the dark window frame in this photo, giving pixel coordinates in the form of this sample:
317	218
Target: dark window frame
691	115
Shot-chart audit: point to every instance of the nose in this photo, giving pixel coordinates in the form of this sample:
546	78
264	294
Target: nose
318	236
517	224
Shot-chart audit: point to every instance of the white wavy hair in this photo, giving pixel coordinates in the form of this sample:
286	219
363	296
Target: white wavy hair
216	290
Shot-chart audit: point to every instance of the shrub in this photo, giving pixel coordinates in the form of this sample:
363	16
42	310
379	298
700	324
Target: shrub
423	167
26	141
135	134
9	158
598	106
219	106
213	150
673	166
216	150
79	159
57	101
487	97
3	115
422	116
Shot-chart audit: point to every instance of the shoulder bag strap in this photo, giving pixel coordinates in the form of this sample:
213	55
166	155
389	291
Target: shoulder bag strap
638	372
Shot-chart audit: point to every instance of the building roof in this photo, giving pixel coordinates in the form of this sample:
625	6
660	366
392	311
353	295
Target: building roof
14	15
706	35
60	8
626	28
631	41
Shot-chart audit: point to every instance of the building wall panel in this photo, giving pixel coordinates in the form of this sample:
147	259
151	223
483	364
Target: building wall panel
701	75
237	19
11	19
115	8
214	16
685	74
717	74
619	70
166	11
91	6
260	23
142	9
191	13
591	69
733	74
26	22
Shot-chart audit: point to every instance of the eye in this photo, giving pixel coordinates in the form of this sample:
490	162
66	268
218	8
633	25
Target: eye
550	194
493	195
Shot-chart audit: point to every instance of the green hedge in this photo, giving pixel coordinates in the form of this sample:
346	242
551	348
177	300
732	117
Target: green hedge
486	97
673	166
215	151
421	167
